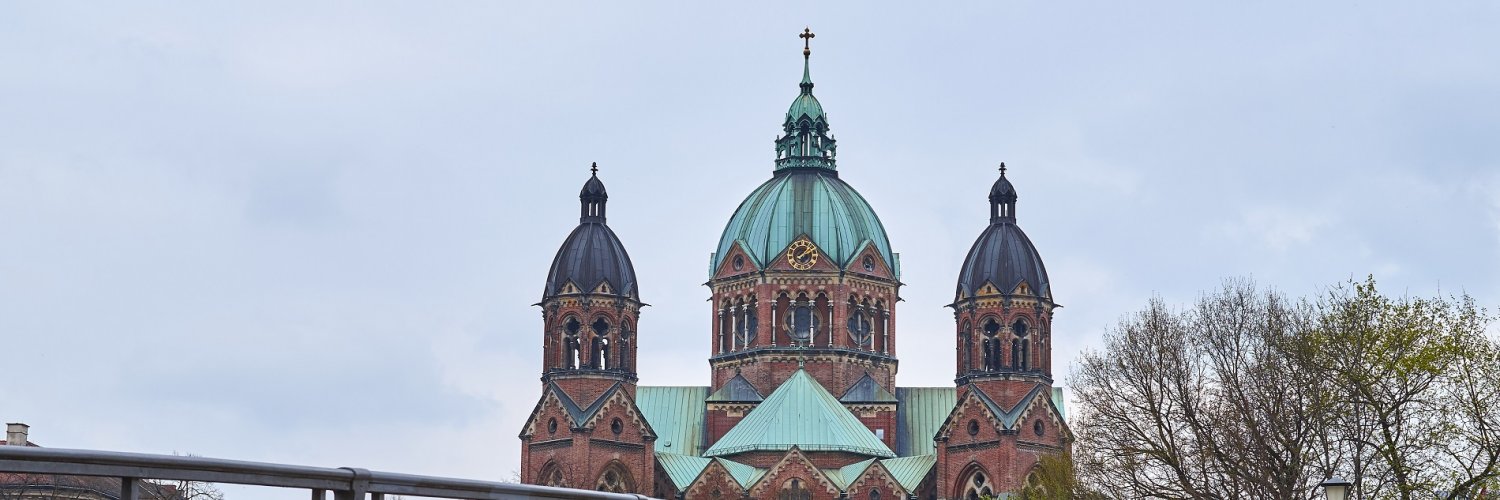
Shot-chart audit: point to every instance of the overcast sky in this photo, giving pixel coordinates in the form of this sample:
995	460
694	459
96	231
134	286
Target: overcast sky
313	233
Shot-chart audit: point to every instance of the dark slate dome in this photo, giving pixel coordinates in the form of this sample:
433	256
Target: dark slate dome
1002	191
594	188
1003	255
592	254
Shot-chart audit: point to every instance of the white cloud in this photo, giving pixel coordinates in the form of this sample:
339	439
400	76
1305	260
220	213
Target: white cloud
1276	227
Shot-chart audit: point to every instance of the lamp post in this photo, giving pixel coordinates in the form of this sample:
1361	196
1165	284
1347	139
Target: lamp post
1336	488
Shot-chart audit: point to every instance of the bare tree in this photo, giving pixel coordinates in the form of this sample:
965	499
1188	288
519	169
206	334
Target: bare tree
1249	394
1202	403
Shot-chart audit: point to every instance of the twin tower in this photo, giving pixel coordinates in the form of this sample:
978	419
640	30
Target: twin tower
803	401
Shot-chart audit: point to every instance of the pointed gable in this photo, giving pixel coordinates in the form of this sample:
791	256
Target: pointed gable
1009	417
576	414
736	390
866	390
800	413
793	466
1005	419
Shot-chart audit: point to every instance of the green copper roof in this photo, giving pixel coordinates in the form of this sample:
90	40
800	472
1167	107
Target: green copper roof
921	412
682	469
909	471
744	474
806	142
806	104
848	473
676	414
805	202
800	413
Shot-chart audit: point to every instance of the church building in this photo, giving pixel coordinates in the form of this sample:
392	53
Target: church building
802	401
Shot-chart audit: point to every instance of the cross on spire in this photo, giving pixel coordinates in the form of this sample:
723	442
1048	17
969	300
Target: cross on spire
806	36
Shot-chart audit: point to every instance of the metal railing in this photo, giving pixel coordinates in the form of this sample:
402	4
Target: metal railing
346	483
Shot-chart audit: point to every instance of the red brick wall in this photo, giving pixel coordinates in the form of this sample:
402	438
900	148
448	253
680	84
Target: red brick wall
714	477
1006	457
884	418
835	371
720	421
875	478
795	466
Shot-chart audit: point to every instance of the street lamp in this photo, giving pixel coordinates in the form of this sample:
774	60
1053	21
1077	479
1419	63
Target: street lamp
1336	488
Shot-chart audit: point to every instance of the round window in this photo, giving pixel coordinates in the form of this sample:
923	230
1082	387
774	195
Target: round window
616	426
739	262
869	264
1038	427
552	426
973	427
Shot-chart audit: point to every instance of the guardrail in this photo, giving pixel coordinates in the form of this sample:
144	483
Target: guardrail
346	483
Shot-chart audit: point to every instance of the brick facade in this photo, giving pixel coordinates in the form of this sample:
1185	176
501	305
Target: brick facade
824	304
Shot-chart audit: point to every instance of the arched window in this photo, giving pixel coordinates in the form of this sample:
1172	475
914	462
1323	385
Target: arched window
1020	346
801	320
615	479
751	322
977	486
992	345
793	490
599	356
571	327
626	363
860	326
966	342
745	322
875	494
552	476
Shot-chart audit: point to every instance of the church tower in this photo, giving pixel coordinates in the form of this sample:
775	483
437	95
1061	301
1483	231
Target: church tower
586	431
804	279
1005	417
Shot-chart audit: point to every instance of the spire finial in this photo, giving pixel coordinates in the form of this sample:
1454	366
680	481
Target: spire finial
1002	169
594	169
806	36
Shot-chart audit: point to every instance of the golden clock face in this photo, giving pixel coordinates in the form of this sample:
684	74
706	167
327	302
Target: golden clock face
802	255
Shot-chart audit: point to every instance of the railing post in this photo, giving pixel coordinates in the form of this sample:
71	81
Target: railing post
318	494
359	483
130	488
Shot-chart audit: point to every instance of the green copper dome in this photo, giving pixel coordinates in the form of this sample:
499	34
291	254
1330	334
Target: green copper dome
806	105
805	196
805	201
